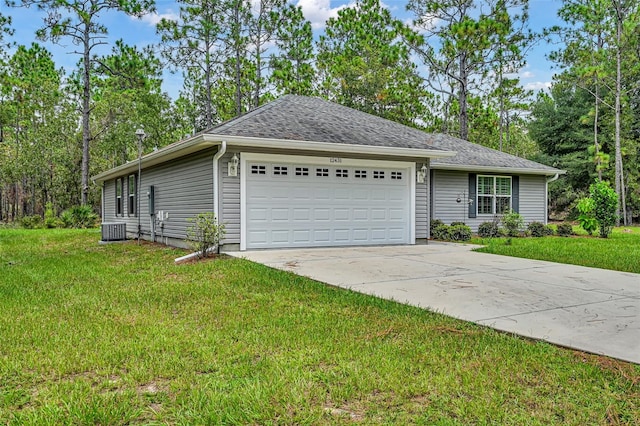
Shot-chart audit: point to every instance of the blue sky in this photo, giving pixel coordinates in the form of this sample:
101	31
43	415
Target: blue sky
536	75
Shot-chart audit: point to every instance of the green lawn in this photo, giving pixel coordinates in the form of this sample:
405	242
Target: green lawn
620	252
118	334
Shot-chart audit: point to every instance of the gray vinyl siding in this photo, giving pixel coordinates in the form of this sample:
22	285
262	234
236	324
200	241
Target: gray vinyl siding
109	198
533	198
230	200
422	221
449	185
183	188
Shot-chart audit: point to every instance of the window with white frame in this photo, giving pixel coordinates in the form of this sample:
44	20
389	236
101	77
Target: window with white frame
132	196
494	194
119	197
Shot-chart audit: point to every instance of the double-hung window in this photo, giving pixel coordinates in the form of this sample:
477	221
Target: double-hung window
494	194
119	197
132	196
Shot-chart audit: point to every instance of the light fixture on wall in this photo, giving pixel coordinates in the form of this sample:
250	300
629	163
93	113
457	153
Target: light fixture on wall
232	166
421	175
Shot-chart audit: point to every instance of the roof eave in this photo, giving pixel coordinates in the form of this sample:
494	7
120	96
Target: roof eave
206	140
497	169
185	147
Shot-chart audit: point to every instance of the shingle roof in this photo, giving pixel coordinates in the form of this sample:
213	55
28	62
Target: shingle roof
305	118
313	119
471	154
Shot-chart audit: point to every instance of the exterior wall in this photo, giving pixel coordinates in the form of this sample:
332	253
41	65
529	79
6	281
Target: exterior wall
533	198
230	200
449	185
183	188
422	202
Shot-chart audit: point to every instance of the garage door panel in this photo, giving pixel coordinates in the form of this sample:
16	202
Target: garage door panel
361	235
279	236
301	235
257	214
321	215
396	214
280	215
341	214
360	214
322	235
378	214
324	206
342	235
303	214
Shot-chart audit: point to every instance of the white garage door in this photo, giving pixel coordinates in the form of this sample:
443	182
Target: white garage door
291	204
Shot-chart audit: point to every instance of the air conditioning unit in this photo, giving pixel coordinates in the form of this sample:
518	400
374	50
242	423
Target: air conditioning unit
114	231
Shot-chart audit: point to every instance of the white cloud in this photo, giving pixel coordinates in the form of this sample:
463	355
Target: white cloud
152	19
537	85
526	74
319	11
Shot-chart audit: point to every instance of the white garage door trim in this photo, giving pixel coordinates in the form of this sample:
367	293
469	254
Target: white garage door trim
246	157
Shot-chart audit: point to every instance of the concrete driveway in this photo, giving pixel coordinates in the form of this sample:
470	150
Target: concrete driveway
588	309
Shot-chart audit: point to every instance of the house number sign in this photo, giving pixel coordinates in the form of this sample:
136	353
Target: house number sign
335	160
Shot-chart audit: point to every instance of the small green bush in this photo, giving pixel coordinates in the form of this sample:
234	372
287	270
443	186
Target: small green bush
204	233
79	217
586	209
513	223
537	229
50	218
441	232
459	232
489	230
31	222
434	224
605	202
457	223
565	229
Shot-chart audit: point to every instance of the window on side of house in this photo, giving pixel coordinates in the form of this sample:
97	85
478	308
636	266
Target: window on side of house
132	196
494	194
119	197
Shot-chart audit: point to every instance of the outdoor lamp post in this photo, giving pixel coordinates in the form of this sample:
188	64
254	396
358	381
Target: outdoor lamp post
140	134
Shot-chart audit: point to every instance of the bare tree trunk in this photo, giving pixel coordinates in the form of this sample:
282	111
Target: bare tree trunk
208	86
462	99
595	132
86	112
238	69
618	161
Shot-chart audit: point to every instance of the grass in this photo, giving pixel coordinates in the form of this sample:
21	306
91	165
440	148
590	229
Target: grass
118	334
619	252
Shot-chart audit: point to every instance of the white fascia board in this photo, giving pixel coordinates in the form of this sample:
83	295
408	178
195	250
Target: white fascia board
206	140
490	169
179	149
252	142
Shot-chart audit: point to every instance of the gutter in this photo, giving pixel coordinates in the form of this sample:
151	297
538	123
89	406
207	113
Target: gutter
206	140
553	178
497	169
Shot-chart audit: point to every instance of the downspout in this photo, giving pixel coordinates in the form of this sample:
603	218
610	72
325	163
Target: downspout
546	195
427	180
216	186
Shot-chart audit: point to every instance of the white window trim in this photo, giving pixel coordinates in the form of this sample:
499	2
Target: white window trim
493	196
246	157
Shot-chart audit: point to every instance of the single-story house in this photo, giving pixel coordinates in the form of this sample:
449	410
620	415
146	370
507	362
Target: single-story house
306	172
